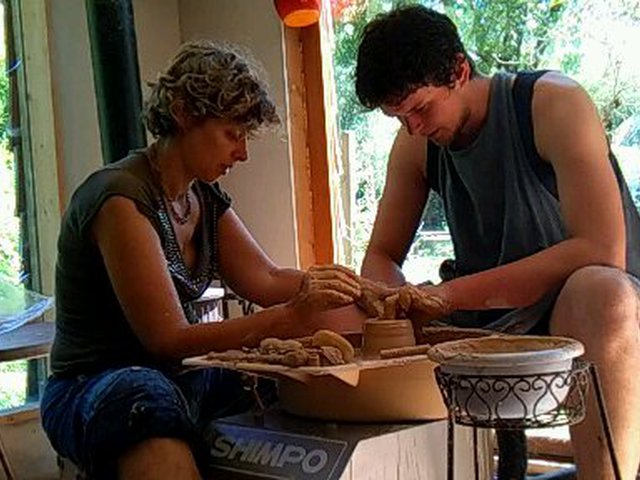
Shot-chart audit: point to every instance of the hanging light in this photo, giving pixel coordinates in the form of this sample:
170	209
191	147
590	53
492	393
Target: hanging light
298	13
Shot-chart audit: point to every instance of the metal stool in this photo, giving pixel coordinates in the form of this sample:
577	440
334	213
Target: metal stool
568	410
69	471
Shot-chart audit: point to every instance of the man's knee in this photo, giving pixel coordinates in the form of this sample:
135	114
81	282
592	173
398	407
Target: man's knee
597	303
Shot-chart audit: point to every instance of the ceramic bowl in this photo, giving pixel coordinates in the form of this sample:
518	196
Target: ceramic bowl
384	334
508	377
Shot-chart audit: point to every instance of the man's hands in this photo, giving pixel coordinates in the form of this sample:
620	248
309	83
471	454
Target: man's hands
421	304
326	286
424	304
373	298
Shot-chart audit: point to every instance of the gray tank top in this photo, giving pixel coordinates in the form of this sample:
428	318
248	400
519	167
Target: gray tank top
499	210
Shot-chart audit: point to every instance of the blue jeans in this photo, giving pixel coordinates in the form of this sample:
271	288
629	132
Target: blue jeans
93	419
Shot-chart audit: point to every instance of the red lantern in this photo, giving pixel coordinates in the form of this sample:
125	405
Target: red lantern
298	13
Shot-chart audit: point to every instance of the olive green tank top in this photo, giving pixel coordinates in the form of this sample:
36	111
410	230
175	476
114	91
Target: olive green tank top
92	332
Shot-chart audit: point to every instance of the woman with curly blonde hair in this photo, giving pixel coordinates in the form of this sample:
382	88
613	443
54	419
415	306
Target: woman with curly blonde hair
140	241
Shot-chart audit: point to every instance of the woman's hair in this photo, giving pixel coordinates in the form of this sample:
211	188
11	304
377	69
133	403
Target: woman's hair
405	49
209	80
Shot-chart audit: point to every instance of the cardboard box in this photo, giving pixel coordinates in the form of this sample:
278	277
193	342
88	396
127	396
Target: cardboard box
281	446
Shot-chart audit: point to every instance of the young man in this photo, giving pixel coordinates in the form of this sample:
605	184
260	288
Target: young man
544	230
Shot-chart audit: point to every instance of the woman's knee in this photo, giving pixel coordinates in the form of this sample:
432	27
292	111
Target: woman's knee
144	397
155	457
127	406
85	416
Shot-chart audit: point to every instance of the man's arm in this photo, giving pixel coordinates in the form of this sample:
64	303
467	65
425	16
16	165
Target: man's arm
569	135
403	200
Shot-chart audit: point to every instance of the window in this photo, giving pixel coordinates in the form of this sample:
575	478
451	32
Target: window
592	42
13	375
28	221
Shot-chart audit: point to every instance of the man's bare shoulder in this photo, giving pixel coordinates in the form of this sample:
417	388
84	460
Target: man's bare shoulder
564	116
557	79
556	91
408	151
407	143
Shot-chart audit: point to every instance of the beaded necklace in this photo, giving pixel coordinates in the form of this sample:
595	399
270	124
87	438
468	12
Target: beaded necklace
180	218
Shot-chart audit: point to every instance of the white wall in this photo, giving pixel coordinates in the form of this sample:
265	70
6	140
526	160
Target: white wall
77	130
158	35
262	188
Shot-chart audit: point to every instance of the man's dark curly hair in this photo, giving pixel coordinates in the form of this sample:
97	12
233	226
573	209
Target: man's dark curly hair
405	49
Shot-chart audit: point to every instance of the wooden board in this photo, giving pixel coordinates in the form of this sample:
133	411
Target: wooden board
348	373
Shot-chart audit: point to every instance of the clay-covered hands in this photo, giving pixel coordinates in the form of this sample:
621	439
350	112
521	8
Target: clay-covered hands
325	287
422	304
373	298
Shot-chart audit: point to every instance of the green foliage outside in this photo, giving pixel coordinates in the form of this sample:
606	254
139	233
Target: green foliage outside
14	384
592	41
13	376
506	35
9	225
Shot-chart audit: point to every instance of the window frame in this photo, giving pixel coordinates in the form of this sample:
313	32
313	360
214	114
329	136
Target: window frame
38	157
38	190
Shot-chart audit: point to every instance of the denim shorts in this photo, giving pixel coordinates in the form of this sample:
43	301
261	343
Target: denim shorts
93	419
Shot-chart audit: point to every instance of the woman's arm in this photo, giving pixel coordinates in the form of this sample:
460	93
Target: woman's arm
248	270
135	261
252	275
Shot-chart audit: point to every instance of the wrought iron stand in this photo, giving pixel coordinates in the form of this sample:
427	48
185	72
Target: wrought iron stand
518	402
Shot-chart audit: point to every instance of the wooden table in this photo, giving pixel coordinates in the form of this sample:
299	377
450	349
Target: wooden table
32	340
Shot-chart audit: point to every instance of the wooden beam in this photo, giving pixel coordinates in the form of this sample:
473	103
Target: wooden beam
39	144
549	448
309	144
22	414
297	117
32	340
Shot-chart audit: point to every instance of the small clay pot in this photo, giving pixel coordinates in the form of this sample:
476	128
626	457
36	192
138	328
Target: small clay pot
383	334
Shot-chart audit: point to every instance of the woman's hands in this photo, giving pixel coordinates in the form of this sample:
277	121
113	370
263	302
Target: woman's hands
325	287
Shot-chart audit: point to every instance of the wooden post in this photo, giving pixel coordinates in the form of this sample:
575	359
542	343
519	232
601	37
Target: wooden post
310	147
